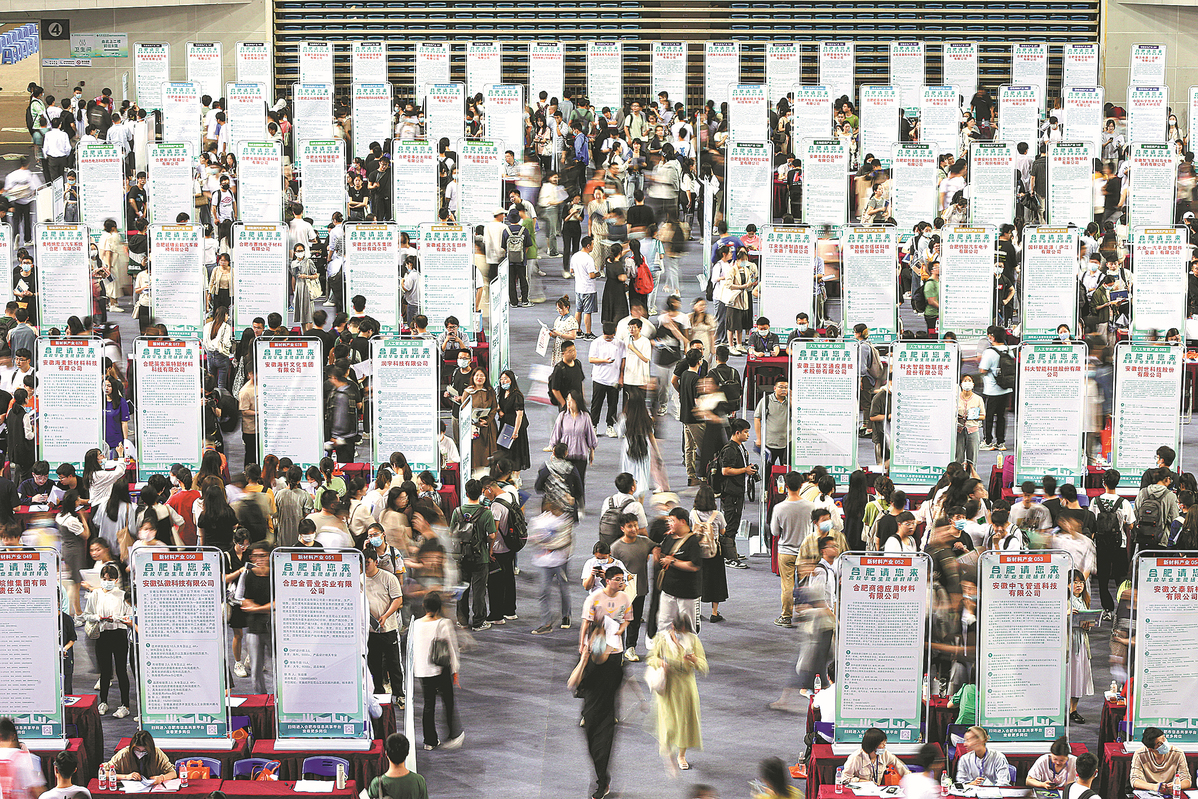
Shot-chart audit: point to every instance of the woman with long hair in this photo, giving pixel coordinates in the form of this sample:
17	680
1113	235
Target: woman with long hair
235	562
615	289
215	526
116	416
99	476
332	482
680	652
270	471
511	412
109	610
480	401
73	531
572	427
708	523
115	521
703	326
211	466
220	283
396	514
436	680
1081	676
253	595
218	344
400	466
640	451
853	504
305	281
632	264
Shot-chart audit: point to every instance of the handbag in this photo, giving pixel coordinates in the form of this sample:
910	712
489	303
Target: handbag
439	654
91	629
196	770
655	678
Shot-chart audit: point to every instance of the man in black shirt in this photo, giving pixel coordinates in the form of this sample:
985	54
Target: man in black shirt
135	201
380	189
681	559
567	376
687	384
1111	193
737	471
640	216
982	105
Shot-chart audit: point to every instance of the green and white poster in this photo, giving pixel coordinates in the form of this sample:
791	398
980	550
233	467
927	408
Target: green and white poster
444	105
64	285
480	180
750	181
101	186
499	345
1166	659
1070	183
445	262
1022	678
870	281
168	182
290	381
825	169
313	113
881	107
1049	268
372	114
1152	193
322	190
181	643
31	691
787	275
913	184
260	281
923	430
991	183
170	424
371	255
824	389
415	195
178	280
260	181
69	399
1148	379
406	401
967	281
1050	411
1158	301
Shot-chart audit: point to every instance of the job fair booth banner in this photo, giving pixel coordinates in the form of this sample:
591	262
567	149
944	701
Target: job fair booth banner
1152	192
261	280
750	184
101	181
151	69
667	63
940	117
546	69
484	66
181	644
787	275
913	195
371	256
1022	679
1148	392
505	118
31	691
922	429
1029	64
245	110
1019	114
1166	659
446	253
721	68
260	181
1147	112
373	110
480	179
322	164
1080	63
205	67
959	66
181	112
825	164
1050	412
824	391
6	258
70	399
414	189
783	69
1083	112
169	388
499	350
368	62
169	171
289	376
1147	65
1159	299
405	400
1049	262
178	281
749	112
64	280
991	183
837	68
869	255
880	110
812	111
605	75
444	107
316	62
1071	183
967	281
907	71
319	634
432	66
252	62
881	645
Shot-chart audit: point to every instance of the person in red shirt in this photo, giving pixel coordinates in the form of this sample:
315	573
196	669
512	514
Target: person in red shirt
182	497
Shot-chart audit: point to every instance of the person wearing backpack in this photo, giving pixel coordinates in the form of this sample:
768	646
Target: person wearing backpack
512	525
997	367
1155	509
931	296
727	379
622	502
515	244
1087	770
1113	521
474	530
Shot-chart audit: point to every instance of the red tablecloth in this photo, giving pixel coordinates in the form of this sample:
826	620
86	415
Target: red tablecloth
253	789
1108	725
85	715
363	766
260	708
227	757
1022	762
194	788
822	768
75	746
1115	772
752	365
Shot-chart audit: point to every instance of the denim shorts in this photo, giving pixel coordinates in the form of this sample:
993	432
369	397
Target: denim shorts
587	303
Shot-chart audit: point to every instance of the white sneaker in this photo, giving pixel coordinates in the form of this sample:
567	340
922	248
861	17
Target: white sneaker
121	712
631	655
611	431
103	708
455	743
96	687
239	670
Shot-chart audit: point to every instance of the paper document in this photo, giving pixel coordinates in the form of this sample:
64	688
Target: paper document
236	701
543	340
314	786
506	435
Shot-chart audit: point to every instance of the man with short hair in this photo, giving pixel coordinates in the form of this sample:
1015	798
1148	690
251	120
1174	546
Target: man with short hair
582	264
476	555
1028	515
1110	539
633	548
995	397
680	559
65	765
637	359
384	598
606	355
931	293
624	501
773	413
692	425
1087	770
23	335
762	341
734	463
515	246
504	504
566	376
607	602
397	782
790	524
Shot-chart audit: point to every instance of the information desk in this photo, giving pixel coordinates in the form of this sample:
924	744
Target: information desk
84	713
1108	725
227	757
363	766
76	747
821	771
194	788
1022	761
1114	773
752	367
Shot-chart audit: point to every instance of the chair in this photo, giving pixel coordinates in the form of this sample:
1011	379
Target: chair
1014	775
826	730
955	734
1124	730
915	769
322	766
251	767
212	763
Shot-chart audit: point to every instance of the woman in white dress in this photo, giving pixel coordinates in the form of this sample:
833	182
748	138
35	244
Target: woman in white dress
1081	676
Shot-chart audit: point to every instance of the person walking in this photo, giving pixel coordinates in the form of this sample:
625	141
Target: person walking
572	427
384	596
551	535
737	471
708	523
109	616
436	661
971	414
254	596
597	678
679	652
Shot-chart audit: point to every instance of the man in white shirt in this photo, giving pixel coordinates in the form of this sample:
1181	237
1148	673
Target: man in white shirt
624	501
585	289
493	240
952	184
57	147
1087	770
637	359
298	230
648	329
606	356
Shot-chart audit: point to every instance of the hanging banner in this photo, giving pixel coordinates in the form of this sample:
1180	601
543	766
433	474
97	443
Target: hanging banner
432	66
480	180
824	396
101	182
1192	116
505	116
1079	64
913	184
180	640
1083	112
245	110
484	65
721	68
289	377
959	67
316	62
151	69
605	75
178	281
869	280
750	183
967	281
783	69
837	68
787	275
907	71
444	107
924	393
260	277
406	401
99	45
31	692
446	253
1049	277
371	260
1050	412
881	598
940	118
168	181
414	190
1152	191
1159	296
667	62
254	62
1148	392
812	110
546	70
499	350
1029	66
312	106
1019	115
181	113
260	180
1147	113
749	113
991	183
63	279
825	166
69	398
1070	183
205	67
368	62
880	112
372	111
322	192
1166	658
1148	63
321	685
1023	686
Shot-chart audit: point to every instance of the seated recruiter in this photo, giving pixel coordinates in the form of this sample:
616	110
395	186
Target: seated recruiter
1154	767
981	765
142	760
1056	769
872	762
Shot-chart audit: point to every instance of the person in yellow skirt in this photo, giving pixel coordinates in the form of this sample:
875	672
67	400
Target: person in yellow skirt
679	651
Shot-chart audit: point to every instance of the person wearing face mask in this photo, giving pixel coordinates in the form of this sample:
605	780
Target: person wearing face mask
384	597
459	381
148	534
971	413
1154	767
389	558
305	282
306	537
107	619
872	762
143	760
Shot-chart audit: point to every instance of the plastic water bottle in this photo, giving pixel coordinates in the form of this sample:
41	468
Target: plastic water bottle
818	684
340	776
1177	786
108	778
183	777
102	777
839	777
946	783
1114	690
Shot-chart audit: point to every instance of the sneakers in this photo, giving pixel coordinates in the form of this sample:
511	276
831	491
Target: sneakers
499	620
239	669
611	431
565	625
783	621
736	563
715	617
103	708
430	747
600	793
544	628
486	625
631	655
512	617
96	687
121	712
986	446
455	743
1002	446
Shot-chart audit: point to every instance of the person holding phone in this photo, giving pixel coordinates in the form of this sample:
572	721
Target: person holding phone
971	413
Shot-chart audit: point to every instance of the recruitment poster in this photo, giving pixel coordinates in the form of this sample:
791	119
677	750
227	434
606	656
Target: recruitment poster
319	607
750	183
31	691
1049	263
64	286
1159	298
1023	679
260	180
812	112
749	112
667	62
260	280
881	645
371	256
368	62
837	67
444	106
480	180
869	281
289	377
1079	64
432	66
959	67
312	105
721	68
406	401
316	62
1050	411
178	280
181	114
69	399
824	395
1019	115
205	67
446	253
181	642
484	66
907	71
6	259
1083	113
1147	112
245	110
505	118
151	69
605	75
1166	651
825	165
101	186
967	281
940	117
499	351
880	112
414	192
323	190
1029	65
1152	191
787	275
546	70
923	433
991	183
783	69
169	169
1071	183
372	111
170	424
1148	392
913	183
1147	65
254	64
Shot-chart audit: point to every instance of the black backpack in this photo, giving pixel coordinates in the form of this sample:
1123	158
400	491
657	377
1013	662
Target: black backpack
1150	522
516	534
1006	373
609	521
715	470
728	382
471	540
1108	530
919	301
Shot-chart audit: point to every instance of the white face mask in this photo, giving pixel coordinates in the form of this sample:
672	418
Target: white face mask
505	384
825	527
966	385
107	585
463	363
145	535
307	538
1064	336
376	541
